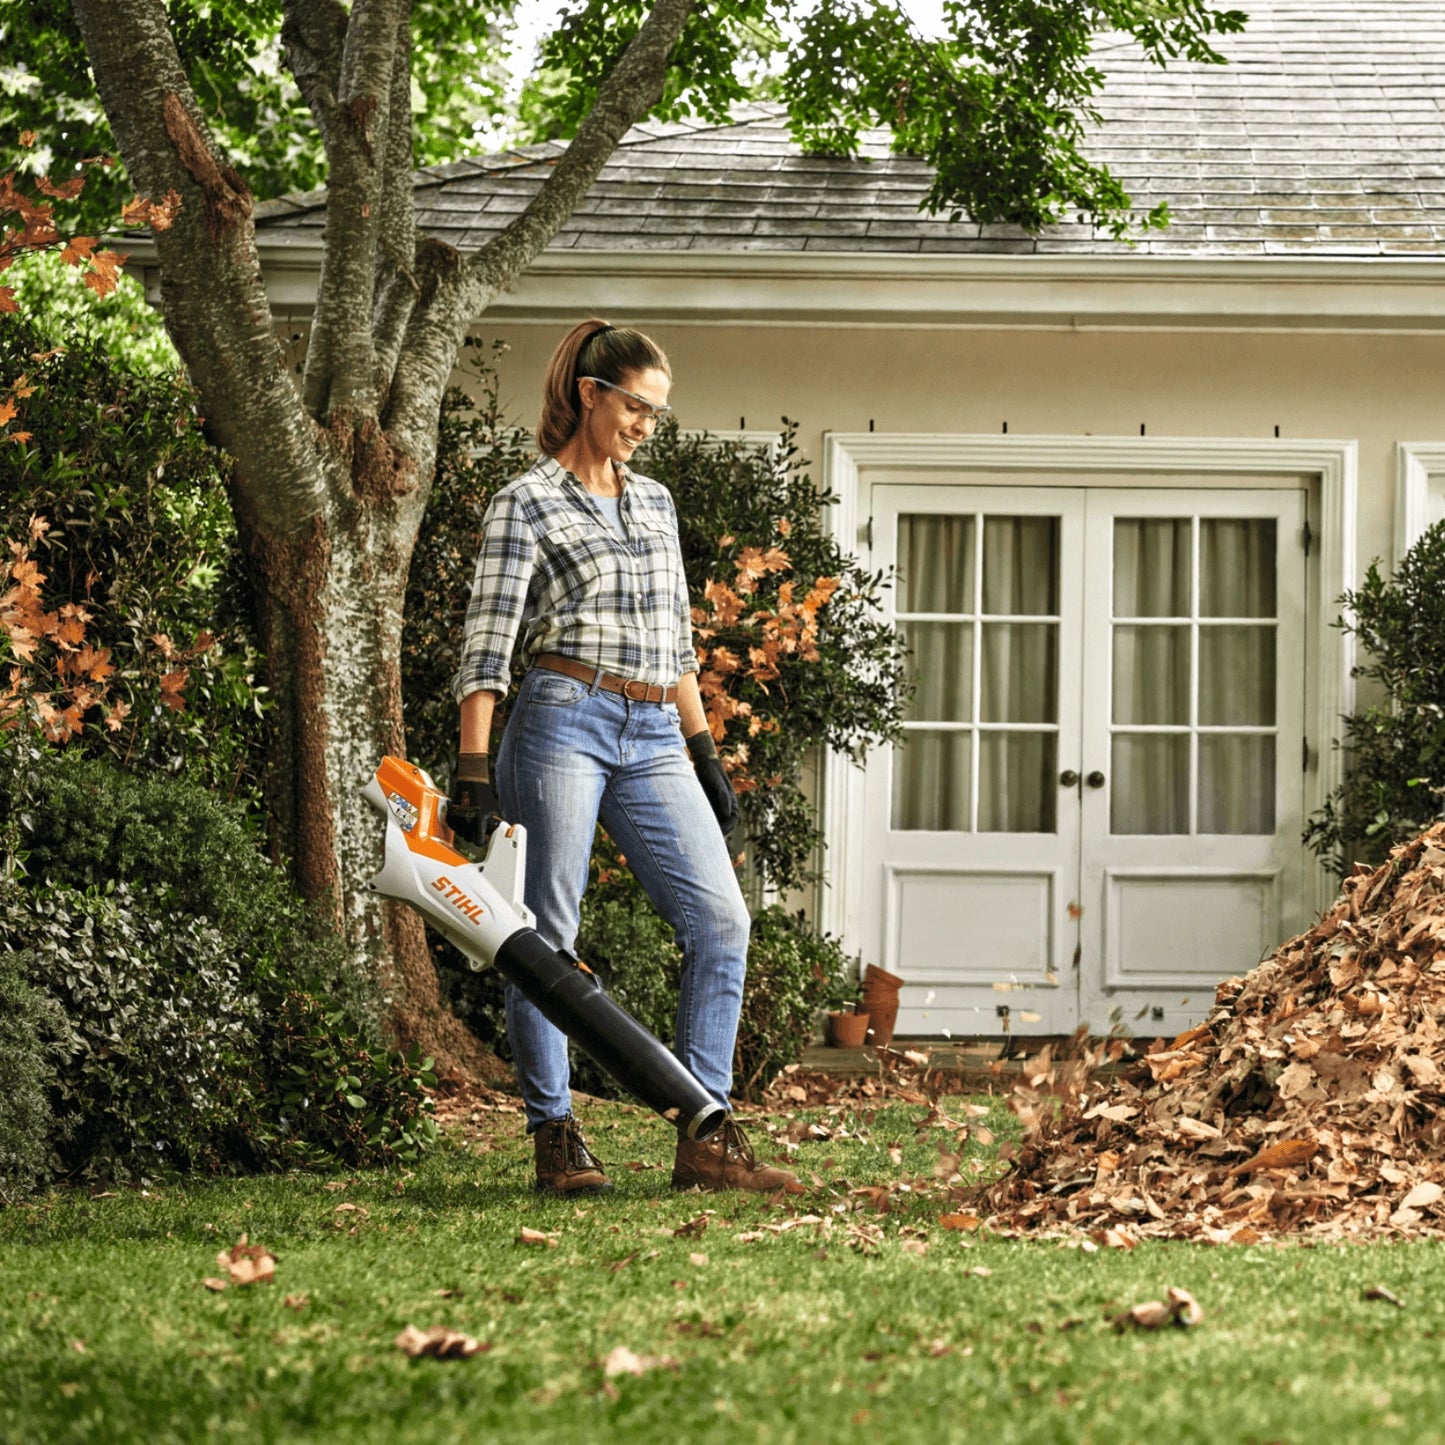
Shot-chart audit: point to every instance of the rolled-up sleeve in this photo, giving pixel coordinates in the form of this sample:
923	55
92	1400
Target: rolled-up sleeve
505	563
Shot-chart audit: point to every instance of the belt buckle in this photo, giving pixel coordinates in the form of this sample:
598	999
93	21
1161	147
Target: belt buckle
627	686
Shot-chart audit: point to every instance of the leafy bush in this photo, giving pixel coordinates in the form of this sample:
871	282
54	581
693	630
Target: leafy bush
190	978
126	622
30	1027
1395	747
792	972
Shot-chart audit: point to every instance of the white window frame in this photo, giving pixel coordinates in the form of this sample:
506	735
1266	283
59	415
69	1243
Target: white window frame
1333	465
1419	491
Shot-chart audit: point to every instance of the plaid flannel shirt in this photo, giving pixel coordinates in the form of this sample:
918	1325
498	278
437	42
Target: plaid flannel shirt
552	567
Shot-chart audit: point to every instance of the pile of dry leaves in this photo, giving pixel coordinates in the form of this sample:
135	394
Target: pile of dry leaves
1309	1101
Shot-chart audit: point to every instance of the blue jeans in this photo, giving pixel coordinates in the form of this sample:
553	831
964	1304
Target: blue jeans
572	754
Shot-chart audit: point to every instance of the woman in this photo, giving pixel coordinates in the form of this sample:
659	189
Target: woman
581	556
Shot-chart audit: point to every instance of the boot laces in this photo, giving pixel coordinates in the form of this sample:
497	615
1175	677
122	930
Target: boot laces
735	1143
574	1147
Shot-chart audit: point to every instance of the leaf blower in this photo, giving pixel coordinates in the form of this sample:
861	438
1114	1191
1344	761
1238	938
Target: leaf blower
479	908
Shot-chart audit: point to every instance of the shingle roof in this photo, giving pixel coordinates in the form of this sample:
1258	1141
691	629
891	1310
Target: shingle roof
1325	136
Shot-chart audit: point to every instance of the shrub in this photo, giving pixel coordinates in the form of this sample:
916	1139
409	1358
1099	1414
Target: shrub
1395	747
190	978
30	1027
792	972
126	619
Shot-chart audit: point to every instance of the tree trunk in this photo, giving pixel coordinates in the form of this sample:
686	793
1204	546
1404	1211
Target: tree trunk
330	482
329	608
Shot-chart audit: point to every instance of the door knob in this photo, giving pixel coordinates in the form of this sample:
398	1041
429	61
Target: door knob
1095	779
1068	779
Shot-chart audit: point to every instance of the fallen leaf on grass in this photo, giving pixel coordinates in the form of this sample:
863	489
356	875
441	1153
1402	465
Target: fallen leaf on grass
1180	1308
959	1221
214	1284
981	1271
915	1246
296	1301
1389	1296
697	1260
448	1294
1115	1238
244	1264
622	1361
536	1236
694	1226
438	1342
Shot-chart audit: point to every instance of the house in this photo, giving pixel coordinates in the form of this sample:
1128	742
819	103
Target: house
1124	485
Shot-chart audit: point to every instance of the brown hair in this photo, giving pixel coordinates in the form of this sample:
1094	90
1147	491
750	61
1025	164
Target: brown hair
591	348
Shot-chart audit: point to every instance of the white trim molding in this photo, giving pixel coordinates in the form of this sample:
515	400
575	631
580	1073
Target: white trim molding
1419	491
1131	292
1332	467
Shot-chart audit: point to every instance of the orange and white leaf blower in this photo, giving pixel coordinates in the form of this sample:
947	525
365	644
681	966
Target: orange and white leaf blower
479	908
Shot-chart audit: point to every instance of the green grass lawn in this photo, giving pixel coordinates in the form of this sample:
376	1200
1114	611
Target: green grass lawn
768	1334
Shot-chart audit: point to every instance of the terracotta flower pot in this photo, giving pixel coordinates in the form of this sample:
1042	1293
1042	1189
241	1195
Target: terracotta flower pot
880	995
847	1031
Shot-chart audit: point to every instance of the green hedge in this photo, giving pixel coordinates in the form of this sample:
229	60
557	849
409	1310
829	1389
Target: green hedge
201	1018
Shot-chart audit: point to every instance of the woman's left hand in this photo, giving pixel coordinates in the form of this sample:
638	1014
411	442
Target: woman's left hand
714	779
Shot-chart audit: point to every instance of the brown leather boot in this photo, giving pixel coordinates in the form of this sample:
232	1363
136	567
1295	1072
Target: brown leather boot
725	1160
565	1165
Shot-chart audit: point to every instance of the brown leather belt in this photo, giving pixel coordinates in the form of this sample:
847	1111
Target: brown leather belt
632	688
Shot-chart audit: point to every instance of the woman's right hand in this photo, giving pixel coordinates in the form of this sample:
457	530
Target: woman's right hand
472	808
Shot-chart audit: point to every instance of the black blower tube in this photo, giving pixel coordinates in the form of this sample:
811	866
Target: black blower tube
573	998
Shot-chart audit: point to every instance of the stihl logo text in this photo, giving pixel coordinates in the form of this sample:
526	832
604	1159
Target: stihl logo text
458	899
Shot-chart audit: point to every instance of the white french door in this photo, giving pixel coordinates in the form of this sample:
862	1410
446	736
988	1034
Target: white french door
1095	812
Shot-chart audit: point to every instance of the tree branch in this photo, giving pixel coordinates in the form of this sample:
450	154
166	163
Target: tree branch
212	293
343	378
397	287
459	289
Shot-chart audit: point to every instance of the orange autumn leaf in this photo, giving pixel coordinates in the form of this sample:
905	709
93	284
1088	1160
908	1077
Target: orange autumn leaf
76	251
117	715
63	190
171	688
726	605
1285	1155
7	411
7	299
105	277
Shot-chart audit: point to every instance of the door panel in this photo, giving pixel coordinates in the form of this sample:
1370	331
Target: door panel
1093	814
978	863
1191	867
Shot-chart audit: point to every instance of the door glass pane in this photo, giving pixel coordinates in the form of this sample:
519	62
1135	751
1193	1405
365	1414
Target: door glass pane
1236	677
1151	675
931	775
1151	567
1149	789
1017	782
1021	566
1236	784
935	563
1236	567
1019	677
941	656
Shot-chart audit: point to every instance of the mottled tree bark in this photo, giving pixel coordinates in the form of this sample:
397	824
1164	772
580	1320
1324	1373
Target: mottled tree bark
330	481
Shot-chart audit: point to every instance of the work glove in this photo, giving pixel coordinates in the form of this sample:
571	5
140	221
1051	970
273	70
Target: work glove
472	807
714	779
